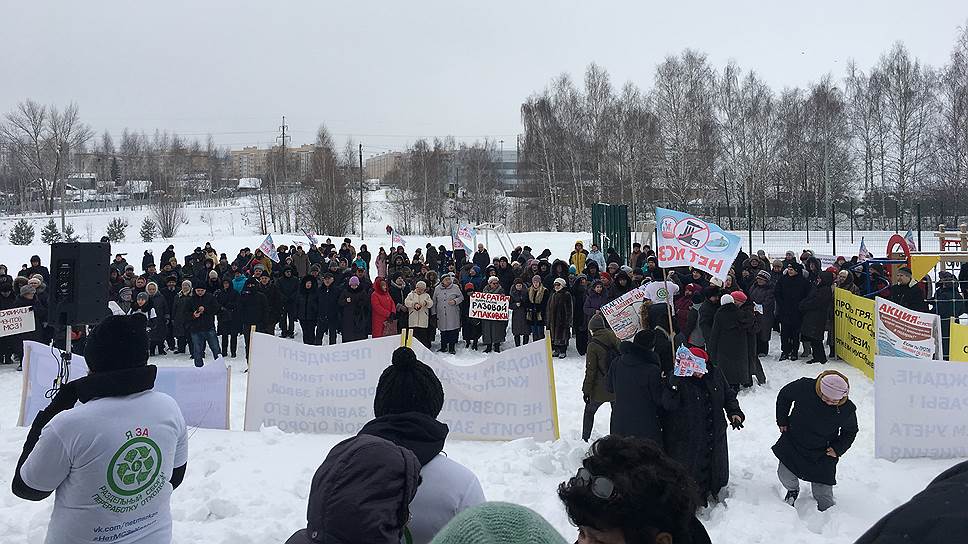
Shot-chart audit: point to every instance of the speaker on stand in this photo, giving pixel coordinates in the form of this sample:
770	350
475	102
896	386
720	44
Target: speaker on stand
79	292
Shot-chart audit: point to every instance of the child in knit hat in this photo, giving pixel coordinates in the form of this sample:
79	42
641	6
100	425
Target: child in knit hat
819	430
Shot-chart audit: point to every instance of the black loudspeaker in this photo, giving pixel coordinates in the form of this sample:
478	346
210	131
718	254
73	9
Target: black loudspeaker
79	282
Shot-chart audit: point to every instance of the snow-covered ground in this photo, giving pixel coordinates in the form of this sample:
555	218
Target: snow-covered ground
251	487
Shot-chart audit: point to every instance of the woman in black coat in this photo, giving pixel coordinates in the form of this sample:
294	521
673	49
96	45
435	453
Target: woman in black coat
288	292
307	309
791	289
694	428
355	304
636	380
812	428
228	317
816	308
252	310
729	345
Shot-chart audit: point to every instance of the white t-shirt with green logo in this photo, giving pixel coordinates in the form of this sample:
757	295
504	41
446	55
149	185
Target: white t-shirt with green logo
109	461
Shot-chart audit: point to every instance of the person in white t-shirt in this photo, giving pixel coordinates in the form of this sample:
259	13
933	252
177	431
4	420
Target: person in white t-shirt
113	460
661	291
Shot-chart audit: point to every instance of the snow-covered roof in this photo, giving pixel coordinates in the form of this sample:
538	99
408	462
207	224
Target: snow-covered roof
83	175
250	183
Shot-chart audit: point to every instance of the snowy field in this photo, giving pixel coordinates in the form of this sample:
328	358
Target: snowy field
252	487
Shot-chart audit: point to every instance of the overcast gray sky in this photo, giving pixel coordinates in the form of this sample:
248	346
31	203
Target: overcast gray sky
388	72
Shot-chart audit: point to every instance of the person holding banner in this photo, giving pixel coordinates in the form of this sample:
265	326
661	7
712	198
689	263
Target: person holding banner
694	426
813	436
494	331
113	459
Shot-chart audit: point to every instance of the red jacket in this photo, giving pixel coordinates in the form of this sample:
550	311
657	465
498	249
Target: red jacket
382	307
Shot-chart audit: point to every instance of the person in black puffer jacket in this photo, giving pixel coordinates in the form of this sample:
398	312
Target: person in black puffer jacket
307	309
274	299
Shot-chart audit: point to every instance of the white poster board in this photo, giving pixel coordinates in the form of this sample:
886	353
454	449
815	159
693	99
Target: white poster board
900	332
16	321
919	408
330	389
622	314
201	393
490	306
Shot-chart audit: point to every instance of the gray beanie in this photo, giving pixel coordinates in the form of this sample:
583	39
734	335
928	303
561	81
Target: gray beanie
28	290
597	322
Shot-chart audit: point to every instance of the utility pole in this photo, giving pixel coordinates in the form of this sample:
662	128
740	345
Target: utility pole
362	236
272	179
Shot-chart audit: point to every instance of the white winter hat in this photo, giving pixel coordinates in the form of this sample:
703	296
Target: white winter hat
726	299
560	281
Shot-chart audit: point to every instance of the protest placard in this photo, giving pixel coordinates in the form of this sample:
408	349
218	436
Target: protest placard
919	407
490	306
16	321
901	332
687	364
622	314
854	330
330	389
202	394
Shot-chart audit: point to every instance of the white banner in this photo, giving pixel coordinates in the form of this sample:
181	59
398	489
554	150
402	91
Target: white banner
16	321
686	240
330	389
919	408
489	306
906	333
201	393
622	314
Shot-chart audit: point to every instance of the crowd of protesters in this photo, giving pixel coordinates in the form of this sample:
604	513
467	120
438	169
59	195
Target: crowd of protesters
666	454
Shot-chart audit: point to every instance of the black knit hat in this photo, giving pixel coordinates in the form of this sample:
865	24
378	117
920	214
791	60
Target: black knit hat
408	385
118	342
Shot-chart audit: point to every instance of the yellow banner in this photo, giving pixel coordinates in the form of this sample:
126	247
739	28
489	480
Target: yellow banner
854	330
959	343
922	264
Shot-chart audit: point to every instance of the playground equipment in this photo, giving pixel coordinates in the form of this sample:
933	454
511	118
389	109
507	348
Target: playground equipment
497	231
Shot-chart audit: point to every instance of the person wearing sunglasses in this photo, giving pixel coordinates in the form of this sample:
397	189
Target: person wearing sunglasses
627	491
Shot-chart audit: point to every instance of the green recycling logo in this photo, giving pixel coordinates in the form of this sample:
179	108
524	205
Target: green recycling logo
134	467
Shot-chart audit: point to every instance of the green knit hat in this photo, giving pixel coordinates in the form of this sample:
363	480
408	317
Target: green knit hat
496	523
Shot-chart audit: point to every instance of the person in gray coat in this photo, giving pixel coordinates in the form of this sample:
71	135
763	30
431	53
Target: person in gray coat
494	330
447	298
